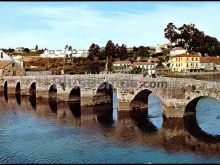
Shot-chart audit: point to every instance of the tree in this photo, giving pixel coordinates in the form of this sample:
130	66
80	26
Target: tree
171	32
143	51
117	51
66	47
110	49
36	47
26	50
70	48
192	39
94	51
123	54
135	52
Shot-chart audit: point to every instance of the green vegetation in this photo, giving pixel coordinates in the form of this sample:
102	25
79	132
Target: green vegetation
192	39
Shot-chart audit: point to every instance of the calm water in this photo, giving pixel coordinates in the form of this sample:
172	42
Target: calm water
47	133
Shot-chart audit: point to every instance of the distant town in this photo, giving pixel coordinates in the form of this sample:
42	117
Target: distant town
188	50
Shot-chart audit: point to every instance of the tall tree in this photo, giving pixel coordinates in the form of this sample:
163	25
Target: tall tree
26	50
171	32
36	47
123	54
94	51
66	47
191	38
110	49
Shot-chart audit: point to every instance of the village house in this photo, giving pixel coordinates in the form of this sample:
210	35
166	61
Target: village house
144	65
121	66
206	64
64	53
176	51
5	57
9	66
33	50
19	50
185	63
151	59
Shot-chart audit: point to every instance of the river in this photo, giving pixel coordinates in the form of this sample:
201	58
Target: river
46	133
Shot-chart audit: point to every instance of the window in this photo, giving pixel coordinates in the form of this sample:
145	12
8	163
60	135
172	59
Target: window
13	64
1	54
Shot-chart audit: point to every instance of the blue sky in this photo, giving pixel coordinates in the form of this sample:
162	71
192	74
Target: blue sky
55	24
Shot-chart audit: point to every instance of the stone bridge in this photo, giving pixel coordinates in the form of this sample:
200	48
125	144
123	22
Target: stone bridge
179	96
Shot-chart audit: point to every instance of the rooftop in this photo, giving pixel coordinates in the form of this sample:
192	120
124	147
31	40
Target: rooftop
215	60
151	59
177	48
122	62
4	63
187	55
142	63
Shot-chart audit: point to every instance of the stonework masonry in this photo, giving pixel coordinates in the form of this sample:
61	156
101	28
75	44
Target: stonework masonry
175	93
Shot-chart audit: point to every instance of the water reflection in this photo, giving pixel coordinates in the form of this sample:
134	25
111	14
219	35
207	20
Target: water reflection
75	108
32	99
53	104
142	121
5	93
104	114
18	98
194	129
134	128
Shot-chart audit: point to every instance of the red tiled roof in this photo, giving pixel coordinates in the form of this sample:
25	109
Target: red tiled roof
215	60
122	62
142	63
187	55
4	63
151	59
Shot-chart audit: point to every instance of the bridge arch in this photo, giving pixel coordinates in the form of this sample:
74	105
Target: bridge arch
140	98
104	93
52	91
32	93
5	86
18	92
192	103
74	101
32	88
75	93
18	88
146	108
191	123
5	90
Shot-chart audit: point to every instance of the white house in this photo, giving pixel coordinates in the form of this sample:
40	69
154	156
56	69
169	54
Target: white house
206	64
5	57
19	50
144	65
64	53
158	49
126	64
177	50
18	59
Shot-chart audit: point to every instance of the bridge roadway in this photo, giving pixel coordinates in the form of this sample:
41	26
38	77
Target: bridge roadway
179	96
